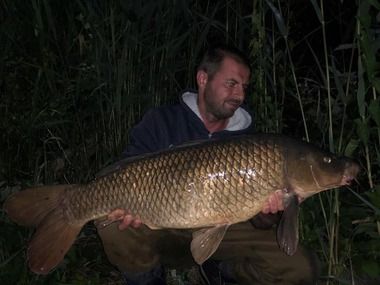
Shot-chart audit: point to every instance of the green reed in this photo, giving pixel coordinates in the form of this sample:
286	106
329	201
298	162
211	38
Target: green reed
338	108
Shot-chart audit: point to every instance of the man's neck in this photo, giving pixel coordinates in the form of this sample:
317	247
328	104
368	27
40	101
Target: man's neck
211	123
214	125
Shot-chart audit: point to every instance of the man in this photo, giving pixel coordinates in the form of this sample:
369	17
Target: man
247	255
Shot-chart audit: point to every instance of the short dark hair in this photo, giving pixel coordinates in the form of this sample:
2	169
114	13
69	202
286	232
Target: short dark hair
214	56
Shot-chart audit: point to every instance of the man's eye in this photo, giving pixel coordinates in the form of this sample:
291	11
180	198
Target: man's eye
230	84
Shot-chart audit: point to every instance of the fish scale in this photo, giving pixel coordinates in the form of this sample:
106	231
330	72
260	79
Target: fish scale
164	181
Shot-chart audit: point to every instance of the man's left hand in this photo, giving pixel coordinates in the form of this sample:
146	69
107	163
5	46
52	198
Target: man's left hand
125	218
274	203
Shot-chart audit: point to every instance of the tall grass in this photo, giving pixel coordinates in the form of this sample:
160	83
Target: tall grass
338	108
75	76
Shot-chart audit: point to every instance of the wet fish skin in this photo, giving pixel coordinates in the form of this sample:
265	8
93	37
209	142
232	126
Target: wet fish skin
212	184
201	185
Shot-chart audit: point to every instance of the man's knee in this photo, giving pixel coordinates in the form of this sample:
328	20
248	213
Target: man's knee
303	269
129	250
141	249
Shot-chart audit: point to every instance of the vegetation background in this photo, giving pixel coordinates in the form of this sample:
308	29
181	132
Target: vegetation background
76	75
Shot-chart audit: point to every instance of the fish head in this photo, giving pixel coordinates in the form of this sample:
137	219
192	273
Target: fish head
311	170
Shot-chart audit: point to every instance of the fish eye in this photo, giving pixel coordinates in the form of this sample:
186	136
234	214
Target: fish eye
327	159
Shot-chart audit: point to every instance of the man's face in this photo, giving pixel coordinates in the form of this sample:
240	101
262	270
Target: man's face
225	92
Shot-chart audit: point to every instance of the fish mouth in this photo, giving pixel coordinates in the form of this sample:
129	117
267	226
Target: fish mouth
347	180
350	173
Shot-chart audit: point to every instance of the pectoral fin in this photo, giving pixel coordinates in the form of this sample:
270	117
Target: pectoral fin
287	231
206	241
103	222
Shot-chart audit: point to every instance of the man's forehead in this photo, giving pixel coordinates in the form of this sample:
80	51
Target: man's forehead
232	68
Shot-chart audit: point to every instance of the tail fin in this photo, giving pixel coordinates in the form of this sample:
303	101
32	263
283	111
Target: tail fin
41	207
29	207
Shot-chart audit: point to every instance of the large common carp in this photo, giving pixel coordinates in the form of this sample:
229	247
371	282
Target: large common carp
208	185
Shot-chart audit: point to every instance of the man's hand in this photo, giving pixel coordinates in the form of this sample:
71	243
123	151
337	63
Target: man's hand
269	214
126	219
274	203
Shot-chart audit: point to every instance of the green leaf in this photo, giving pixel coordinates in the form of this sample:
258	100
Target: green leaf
365	201
364	16
279	19
321	70
351	147
362	130
338	82
376	84
374	196
317	10
371	267
375	3
360	95
374	111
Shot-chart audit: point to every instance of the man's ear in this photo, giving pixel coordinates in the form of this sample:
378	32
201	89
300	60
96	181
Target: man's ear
202	78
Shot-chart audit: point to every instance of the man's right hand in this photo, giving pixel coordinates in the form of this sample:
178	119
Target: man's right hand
125	219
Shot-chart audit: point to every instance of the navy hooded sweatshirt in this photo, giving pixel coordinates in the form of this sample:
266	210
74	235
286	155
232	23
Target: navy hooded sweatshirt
167	126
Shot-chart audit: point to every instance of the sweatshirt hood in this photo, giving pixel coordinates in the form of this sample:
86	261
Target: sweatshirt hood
240	120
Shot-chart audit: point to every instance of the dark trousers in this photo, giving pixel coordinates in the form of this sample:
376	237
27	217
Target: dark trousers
252	254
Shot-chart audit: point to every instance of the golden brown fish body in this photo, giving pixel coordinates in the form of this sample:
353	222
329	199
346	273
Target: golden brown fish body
196	186
210	184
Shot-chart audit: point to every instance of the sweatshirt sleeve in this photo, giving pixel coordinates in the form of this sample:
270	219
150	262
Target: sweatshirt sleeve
148	135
